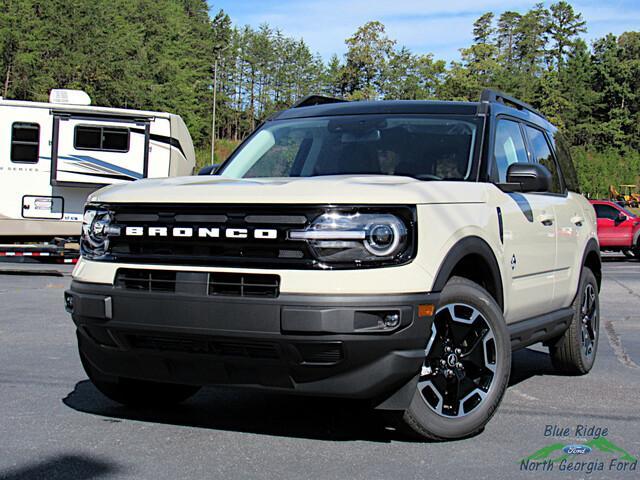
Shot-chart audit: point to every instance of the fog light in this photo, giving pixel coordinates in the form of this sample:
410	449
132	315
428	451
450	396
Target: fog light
68	302
391	320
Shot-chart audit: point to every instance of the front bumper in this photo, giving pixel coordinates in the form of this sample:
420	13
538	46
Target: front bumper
309	344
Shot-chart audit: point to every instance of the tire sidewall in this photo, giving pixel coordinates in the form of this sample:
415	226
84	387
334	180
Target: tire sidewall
587	277
460	290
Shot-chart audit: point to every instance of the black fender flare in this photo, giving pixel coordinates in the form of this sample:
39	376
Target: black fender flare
470	246
592	248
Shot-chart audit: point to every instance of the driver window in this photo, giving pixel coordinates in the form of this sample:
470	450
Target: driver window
509	149
606	211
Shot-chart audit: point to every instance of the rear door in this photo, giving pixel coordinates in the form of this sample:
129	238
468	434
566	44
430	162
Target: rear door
99	150
568	218
529	231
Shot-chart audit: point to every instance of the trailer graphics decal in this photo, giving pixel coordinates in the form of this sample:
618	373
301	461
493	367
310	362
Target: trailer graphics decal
100	167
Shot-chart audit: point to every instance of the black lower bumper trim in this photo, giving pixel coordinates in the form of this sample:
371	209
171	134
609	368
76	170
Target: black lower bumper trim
358	346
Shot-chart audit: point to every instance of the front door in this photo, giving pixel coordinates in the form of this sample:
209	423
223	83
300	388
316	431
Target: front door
611	231
529	233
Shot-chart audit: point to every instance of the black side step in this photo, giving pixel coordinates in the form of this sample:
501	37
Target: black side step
538	329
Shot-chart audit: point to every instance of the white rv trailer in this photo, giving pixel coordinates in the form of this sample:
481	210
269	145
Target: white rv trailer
53	155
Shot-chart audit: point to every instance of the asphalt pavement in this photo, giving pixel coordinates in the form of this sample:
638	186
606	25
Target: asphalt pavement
55	425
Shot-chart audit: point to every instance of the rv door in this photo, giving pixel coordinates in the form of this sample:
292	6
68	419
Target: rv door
94	150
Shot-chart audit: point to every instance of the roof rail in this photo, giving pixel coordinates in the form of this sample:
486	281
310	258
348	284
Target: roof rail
311	100
489	95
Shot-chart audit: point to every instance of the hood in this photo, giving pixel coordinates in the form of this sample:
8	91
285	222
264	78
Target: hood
331	189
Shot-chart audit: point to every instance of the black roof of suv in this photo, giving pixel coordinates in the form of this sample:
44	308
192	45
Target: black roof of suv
498	102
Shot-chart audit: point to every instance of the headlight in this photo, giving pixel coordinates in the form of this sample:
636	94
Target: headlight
96	229
339	237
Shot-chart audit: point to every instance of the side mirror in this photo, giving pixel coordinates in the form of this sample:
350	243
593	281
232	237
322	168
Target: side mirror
620	218
532	177
208	170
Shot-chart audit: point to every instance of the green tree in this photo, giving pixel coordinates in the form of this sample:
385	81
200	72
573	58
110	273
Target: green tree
366	59
410	77
564	27
576	83
530	42
334	77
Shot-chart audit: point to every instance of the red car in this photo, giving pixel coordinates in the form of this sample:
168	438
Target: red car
618	228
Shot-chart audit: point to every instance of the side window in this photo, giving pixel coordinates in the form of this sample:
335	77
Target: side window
509	148
542	155
101	138
606	211
566	163
25	142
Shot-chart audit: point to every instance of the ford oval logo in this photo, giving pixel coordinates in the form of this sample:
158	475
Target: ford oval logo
576	449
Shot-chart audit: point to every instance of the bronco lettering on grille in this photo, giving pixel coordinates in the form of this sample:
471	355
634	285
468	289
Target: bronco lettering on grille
202	232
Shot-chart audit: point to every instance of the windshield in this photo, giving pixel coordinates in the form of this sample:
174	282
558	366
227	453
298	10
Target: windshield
427	148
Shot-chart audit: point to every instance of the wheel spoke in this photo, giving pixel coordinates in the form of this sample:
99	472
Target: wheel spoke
481	394
476	342
451	398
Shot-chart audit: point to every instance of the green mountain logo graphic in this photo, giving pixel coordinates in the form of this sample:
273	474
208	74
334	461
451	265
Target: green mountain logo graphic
554	453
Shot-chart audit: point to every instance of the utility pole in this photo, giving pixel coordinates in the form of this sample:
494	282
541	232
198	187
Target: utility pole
213	112
213	115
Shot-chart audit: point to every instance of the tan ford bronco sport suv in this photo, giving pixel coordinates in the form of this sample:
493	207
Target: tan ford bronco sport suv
393	251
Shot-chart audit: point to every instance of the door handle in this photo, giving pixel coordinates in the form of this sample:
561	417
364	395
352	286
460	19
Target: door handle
577	220
546	219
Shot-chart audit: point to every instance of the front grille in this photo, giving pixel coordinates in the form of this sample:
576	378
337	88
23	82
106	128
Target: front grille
244	285
238	252
146	280
199	283
222	348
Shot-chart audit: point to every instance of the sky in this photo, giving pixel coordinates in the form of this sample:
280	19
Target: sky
425	26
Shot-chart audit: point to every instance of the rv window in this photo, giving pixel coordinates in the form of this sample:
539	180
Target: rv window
101	138
25	142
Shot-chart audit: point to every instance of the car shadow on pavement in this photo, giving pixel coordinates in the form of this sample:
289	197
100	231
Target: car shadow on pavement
62	467
251	411
278	414
527	363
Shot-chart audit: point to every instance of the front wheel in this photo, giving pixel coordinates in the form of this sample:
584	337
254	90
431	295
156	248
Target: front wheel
466	367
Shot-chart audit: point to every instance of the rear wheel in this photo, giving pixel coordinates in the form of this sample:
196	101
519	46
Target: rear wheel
575	351
466	366
133	392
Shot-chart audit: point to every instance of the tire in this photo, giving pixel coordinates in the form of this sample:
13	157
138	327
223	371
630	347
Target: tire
575	351
138	393
487	358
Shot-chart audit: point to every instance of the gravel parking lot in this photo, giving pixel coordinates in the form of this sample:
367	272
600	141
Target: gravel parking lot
54	424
